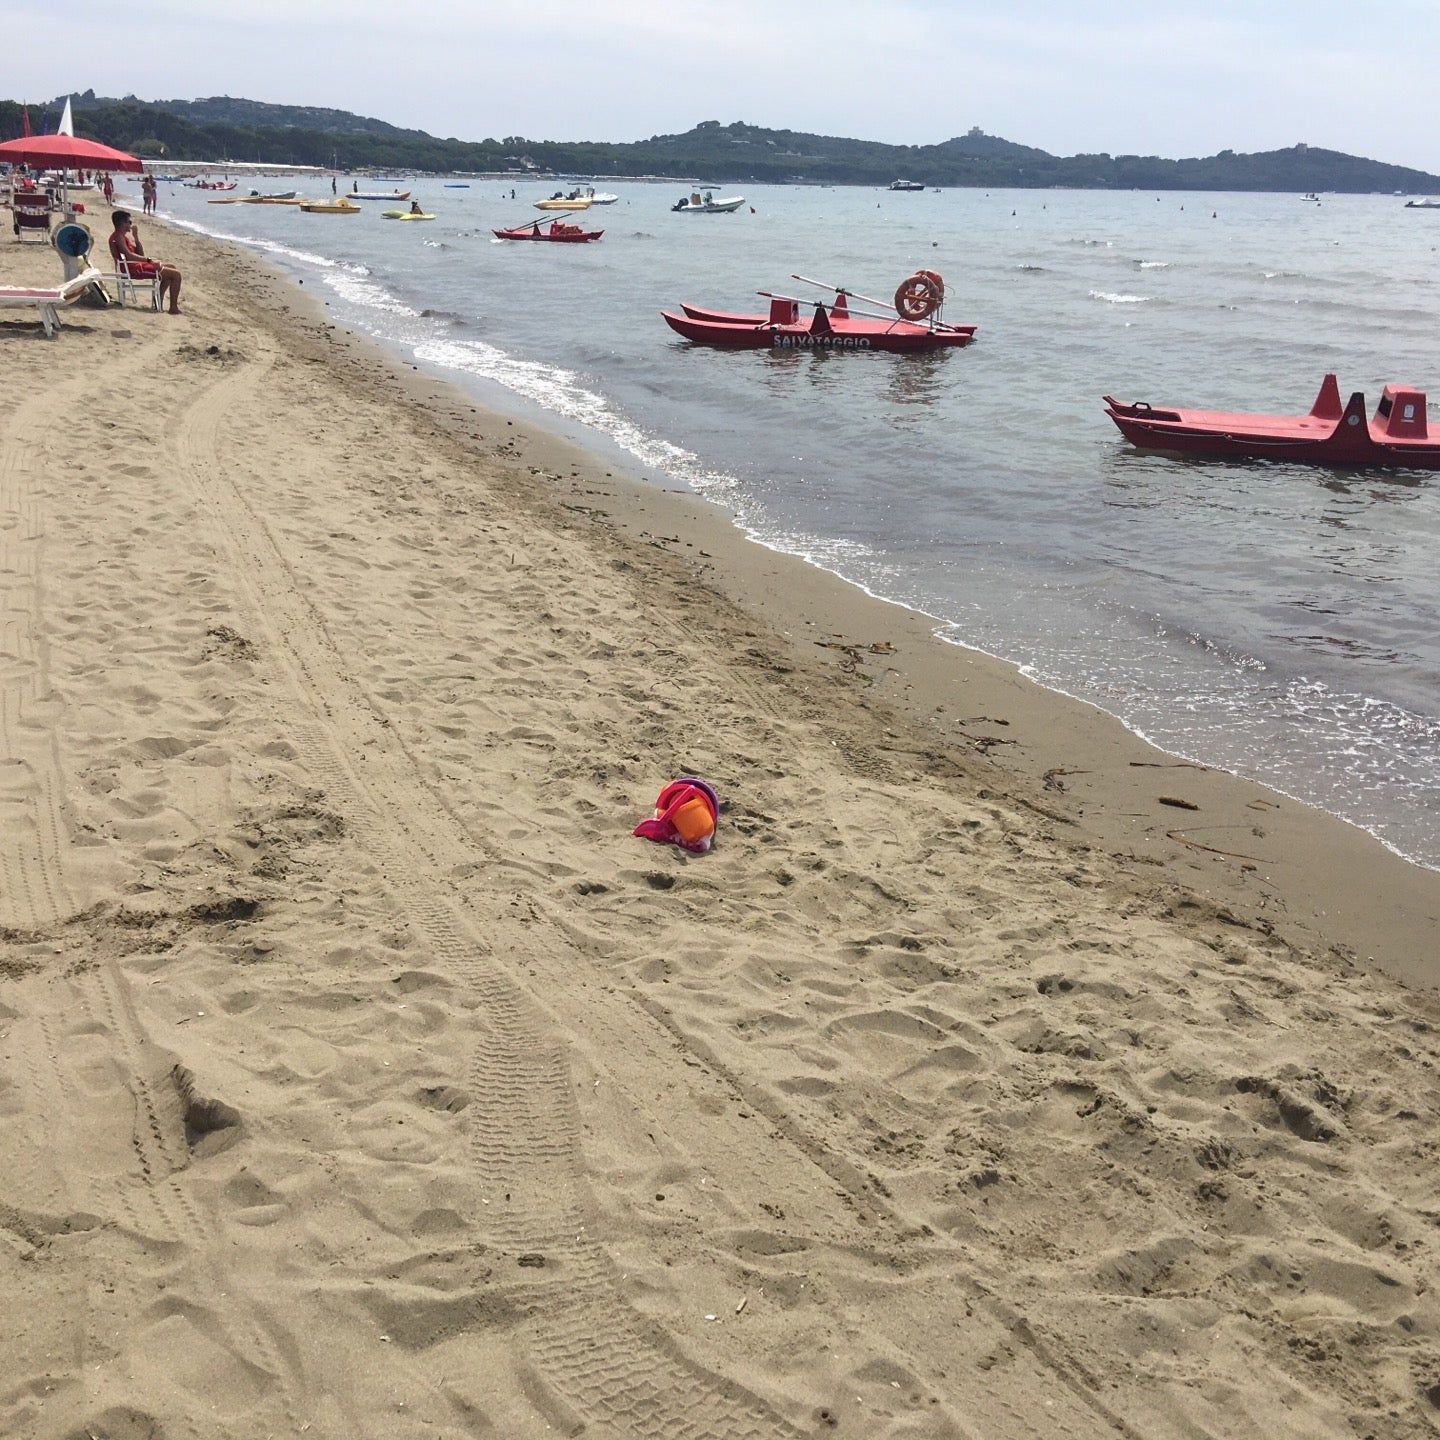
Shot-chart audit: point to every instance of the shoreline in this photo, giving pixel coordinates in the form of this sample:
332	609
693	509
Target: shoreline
364	1076
1335	884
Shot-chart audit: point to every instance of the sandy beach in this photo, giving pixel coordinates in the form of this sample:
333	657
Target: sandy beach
995	1076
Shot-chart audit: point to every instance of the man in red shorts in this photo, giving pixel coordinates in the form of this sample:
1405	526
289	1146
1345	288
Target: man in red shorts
125	242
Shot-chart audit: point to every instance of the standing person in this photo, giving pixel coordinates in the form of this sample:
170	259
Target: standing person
107	189
333	189
125	242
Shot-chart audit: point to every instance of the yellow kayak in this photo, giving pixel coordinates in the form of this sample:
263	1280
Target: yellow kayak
562	204
403	215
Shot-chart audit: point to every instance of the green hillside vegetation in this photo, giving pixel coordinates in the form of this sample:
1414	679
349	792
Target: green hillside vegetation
221	128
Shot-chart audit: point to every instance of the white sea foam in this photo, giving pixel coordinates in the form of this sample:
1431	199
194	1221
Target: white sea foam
561	392
1111	298
358	289
1154	264
272	247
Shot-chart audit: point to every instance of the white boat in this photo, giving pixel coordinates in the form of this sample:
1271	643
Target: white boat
905	185
706	204
378	195
594	196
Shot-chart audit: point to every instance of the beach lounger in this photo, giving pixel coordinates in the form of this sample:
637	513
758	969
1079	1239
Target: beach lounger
48	302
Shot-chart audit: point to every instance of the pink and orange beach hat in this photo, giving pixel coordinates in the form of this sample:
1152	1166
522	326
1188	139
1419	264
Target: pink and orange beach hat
686	813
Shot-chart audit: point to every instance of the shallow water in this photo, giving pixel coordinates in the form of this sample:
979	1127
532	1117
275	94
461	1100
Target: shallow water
1277	620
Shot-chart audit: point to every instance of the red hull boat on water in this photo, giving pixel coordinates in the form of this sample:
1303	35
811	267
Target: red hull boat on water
1331	434
838	311
834	329
557	230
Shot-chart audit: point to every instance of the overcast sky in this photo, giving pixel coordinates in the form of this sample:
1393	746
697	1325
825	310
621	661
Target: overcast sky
1161	77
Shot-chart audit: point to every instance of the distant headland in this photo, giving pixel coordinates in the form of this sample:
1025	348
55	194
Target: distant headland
221	128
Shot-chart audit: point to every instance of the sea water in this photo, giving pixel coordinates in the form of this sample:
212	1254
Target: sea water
1280	621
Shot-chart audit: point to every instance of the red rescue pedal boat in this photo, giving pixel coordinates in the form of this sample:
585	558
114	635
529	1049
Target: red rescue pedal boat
557	230
832	327
1331	434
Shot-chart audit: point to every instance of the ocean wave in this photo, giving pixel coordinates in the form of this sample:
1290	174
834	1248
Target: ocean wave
1348	752
273	247
560	391
1111	298
359	290
1153	264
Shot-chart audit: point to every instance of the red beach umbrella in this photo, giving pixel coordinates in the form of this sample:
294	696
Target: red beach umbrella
65	152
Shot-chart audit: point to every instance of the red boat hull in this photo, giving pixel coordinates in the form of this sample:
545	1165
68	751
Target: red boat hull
529	232
732	317
1331	434
746	332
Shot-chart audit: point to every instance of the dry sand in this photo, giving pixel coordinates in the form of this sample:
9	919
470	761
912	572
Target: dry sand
360	1076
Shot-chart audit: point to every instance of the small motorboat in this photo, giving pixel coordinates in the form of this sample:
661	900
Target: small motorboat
784	329
1330	434
905	185
574	201
1422	204
284	197
211	185
379	195
594	196
556	230
324	207
706	204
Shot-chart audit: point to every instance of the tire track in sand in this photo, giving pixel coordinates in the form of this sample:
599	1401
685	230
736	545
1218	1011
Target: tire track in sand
526	1130
33	890
593	1359
130	1191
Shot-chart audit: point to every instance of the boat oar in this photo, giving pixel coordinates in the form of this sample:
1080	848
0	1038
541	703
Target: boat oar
821	285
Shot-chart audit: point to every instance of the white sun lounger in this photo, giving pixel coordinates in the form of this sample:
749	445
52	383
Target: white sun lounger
48	302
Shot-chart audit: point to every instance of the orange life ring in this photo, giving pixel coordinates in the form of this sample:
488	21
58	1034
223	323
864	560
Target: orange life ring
920	296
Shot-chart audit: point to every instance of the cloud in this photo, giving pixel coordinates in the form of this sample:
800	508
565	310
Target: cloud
1170	78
